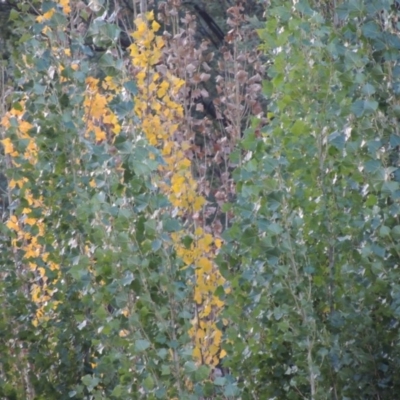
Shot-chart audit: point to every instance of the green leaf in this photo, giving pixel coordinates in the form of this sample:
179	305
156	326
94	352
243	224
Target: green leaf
389	187
142	345
364	107
299	128
131	87
90	382
384	231
165	370
371	30
231	390
201	373
368	89
274	229
220	381
148	383
373	166
171	225
337	139
156	245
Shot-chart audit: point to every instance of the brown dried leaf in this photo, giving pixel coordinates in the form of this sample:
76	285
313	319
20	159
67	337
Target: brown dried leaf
205	77
241	76
254	79
199	107
204	93
190	68
206	67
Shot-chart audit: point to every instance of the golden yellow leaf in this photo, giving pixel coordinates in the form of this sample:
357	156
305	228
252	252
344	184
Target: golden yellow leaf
207	310
45	16
213	349
35	293
155	26
218	243
200	335
9	147
198	231
54	266
30	221
197	297
217	337
99	134
31	252
5	121
12	223
65	5
197	353
205	264
217	302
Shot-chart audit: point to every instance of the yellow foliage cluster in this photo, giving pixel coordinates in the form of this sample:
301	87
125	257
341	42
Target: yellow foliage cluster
99	118
65	4
29	227
14	118
160	117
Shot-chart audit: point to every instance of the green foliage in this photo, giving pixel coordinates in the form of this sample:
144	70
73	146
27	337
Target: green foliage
310	256
312	253
116	323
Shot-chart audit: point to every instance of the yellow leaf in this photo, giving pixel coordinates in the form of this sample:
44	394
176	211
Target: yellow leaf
42	272
213	349
185	163
99	134
177	182
53	266
198	231
198	297
9	147
12	223
5	121
65	5
109	83
45	16
218	243
218	303
205	264
206	312
98	106
155	26
217	337
30	221
141	29
24	127
19	182
200	335
31	252
92	83
196	353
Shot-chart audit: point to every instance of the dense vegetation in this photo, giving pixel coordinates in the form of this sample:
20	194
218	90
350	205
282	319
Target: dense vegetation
200	200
